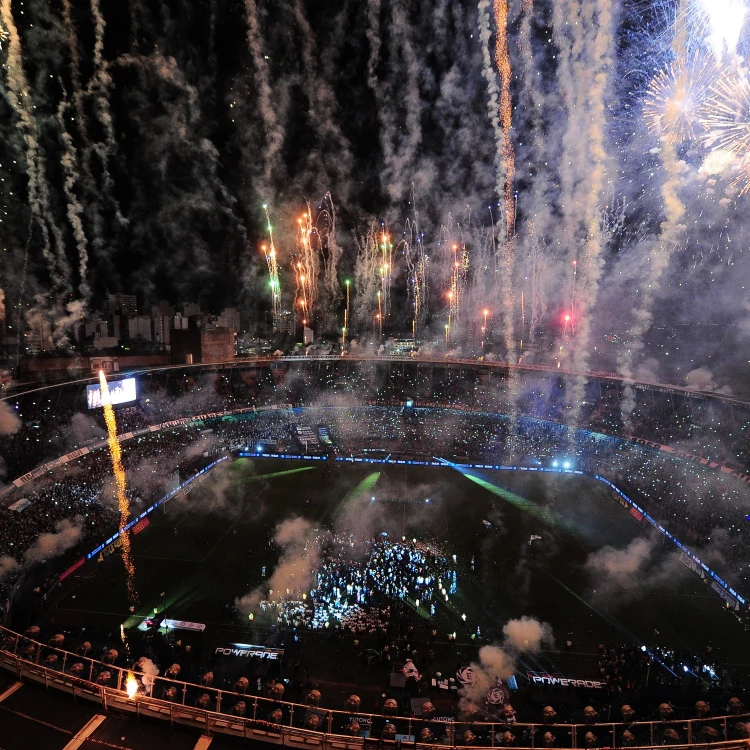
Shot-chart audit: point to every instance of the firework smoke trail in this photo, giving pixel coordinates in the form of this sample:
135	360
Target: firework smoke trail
399	153
69	163
670	236
598	17
533	99
272	128
272	260
332	255
119	474
531	94
407	153
98	90
493	111
670	232
501	112
323	107
507	174
585	34
17	92
75	62
86	175
527	59
386	118
506	171
374	40
488	71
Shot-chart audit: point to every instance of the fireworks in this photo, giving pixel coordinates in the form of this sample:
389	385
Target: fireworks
417	263
307	268
317	250
119	474
726	115
386	271
725	19
273	271
458	280
675	98
131	686
347	314
502	59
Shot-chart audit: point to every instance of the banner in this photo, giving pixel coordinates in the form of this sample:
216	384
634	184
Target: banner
250	652
636	514
72	569
558	681
182	625
731	602
692	565
140	526
19	505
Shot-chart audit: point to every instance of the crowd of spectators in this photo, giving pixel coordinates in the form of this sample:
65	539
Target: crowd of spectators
704	507
357	579
708	427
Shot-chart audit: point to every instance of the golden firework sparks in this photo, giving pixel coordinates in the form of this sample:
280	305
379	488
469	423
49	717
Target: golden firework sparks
115	452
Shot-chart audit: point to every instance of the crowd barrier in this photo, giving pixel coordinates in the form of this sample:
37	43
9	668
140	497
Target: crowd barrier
254	717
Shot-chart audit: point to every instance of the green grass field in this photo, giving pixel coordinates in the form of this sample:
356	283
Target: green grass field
209	547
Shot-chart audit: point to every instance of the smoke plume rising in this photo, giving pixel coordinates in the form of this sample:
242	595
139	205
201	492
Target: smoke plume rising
294	573
10	424
52	544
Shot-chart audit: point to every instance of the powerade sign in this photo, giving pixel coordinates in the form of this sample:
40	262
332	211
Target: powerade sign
549	680
249	651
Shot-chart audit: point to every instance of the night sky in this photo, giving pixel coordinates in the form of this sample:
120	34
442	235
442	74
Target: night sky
142	138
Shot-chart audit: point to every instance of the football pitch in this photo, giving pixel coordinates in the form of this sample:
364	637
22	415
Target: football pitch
525	545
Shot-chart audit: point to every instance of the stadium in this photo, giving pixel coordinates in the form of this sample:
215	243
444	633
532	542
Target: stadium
344	551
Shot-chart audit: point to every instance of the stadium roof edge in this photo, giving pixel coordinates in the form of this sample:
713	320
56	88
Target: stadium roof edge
445	361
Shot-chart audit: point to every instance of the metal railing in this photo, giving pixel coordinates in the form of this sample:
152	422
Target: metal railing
213	710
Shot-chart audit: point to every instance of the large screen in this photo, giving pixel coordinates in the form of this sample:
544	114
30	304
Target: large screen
120	392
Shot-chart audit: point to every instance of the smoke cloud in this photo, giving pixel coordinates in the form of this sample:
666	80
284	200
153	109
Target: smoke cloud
527	635
81	429
10	424
621	565
524	635
300	556
52	544
7	565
